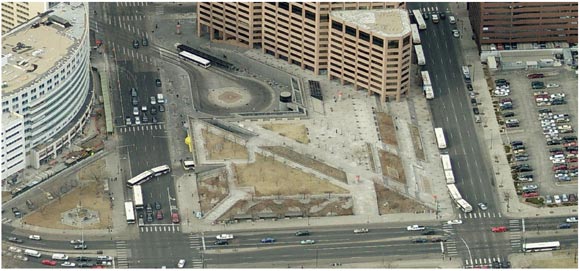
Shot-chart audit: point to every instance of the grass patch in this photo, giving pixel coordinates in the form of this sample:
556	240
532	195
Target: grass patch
219	147
291	130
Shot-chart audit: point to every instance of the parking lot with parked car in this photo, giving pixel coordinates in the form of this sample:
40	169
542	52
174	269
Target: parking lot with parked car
537	114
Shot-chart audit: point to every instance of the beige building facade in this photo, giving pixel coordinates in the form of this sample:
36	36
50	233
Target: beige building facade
371	50
16	13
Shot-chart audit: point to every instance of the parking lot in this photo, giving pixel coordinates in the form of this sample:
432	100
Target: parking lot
518	114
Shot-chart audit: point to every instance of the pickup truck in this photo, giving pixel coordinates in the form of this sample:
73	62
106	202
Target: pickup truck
225	237
415	228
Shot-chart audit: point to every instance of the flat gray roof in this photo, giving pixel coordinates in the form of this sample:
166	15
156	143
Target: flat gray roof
386	22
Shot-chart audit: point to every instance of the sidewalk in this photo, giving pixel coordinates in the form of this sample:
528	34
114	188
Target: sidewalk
509	201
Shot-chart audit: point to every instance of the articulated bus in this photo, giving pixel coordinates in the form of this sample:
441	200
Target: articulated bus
421	61
419	19
415	34
129	212
138	196
453	192
464	205
449	177
188	164
446	161
141	178
440	136
200	61
545	246
160	170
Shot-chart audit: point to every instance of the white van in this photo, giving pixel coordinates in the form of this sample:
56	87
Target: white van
452	19
34	237
59	256
105	258
160	99
32	253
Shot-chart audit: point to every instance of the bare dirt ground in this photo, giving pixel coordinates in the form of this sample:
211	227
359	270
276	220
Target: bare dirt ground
387	129
391	202
220	148
6	196
546	260
95	171
318	207
371	157
416	137
270	177
89	193
308	162
212	190
392	166
294	131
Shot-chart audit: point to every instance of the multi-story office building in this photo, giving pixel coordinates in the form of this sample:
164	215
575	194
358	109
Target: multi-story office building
16	13
524	22
46	79
297	32
12	145
371	50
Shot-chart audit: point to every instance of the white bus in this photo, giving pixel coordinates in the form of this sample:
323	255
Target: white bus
129	212
446	161
197	59
453	192
141	178
415	34
545	246
188	164
32	253
419	19
160	170
440	136
427	87
420	55
464	205
449	177
138	196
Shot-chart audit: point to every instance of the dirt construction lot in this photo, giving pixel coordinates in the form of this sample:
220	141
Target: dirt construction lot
219	147
295	131
391	202
270	177
89	193
530	130
392	166
212	190
387	129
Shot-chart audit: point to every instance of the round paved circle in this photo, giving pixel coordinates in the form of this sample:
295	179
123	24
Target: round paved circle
229	97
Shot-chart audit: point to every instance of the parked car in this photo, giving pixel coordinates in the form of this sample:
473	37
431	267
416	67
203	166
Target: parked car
535	75
475	111
557	199
158	82
157	205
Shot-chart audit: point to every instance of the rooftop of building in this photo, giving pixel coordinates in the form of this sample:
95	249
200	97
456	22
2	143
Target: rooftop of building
385	22
35	48
9	119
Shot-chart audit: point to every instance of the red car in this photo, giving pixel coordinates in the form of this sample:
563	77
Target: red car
572	160
175	217
574	151
535	75
559	167
570	144
573	167
48	262
159	215
499	229
531	195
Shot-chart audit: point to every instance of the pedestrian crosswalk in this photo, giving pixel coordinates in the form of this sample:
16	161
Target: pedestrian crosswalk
142	127
159	10
451	243
160	228
515	233
121	261
196	242
479	262
131	4
479	215
6	220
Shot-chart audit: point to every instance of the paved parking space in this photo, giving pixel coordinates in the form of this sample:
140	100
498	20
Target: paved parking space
530	130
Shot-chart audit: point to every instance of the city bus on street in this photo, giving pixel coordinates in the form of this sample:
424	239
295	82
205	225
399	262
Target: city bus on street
453	192
419	19
415	34
129	212
138	196
200	61
420	55
141	178
544	246
440	136
160	170
464	205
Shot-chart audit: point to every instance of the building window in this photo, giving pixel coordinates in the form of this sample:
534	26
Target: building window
351	31
378	41
393	44
337	26
364	36
406	40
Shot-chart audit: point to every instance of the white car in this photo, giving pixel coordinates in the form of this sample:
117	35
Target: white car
34	237
181	263
530	187
307	242
552	85
137	120
68	264
361	230
572	219
455	222
225	237
455	33
135	111
75	242
415	228
153	100
144	108
557	199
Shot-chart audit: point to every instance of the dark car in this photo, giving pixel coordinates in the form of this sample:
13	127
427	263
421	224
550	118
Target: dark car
572	197
157	205
570	138
506	264
149	209
469	87
135	44
135	101
428	232
14	240
476	111
425	16
158	82
419	240
133	92
161	108
516	142
268	240
502	82
83	259
519	147
508	114
221	242
302	233
564	226
149	217
153	110
442	15
438	239
545	110
553	142
535	75
474	102
154	119
145	41
495	265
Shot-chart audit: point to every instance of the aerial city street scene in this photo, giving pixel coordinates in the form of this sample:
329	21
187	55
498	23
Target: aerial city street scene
419	135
